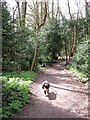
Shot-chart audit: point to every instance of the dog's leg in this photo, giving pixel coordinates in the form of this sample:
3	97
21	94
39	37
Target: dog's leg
44	92
47	92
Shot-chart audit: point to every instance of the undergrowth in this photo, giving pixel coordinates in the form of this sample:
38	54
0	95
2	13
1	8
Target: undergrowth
81	75
15	91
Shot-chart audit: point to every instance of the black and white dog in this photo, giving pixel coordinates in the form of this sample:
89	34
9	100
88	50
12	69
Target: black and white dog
46	86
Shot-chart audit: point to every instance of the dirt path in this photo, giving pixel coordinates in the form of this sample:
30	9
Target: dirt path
67	98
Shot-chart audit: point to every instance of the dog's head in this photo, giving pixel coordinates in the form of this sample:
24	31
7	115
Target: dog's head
46	84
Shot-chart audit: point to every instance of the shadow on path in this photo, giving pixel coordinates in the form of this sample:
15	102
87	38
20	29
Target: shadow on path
43	109
52	96
59	103
71	90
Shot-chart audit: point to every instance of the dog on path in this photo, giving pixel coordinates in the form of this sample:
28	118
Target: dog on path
46	86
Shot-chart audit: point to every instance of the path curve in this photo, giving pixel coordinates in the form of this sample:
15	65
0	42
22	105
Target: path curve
67	99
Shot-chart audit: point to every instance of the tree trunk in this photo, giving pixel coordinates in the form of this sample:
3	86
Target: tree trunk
72	44
14	10
24	9
19	14
52	9
41	10
74	39
57	9
35	52
70	50
48	10
87	12
69	9
38	26
66	52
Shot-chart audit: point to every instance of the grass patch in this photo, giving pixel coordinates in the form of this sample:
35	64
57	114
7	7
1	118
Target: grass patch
15	91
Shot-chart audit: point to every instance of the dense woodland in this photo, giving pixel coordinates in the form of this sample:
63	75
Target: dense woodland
36	35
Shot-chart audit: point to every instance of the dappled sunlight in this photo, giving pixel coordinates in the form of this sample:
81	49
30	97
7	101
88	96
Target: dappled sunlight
54	71
62	101
63	97
58	65
50	71
45	40
66	99
48	108
63	71
75	78
57	77
62	78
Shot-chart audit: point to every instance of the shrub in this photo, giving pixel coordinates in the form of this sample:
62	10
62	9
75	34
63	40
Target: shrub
15	91
80	59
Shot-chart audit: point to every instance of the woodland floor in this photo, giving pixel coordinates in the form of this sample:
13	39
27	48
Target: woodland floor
68	98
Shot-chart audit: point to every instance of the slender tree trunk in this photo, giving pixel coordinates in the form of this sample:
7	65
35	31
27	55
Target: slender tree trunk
52	9
57	9
69	9
41	10
74	39
19	14
66	52
72	44
24	9
70	49
39	24
87	12
14	15
35	52
48	10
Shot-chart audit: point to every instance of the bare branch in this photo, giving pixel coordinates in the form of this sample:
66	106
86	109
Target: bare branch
69	10
18	6
44	20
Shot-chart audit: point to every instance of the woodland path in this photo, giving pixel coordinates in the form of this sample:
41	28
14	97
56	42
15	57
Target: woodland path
67	99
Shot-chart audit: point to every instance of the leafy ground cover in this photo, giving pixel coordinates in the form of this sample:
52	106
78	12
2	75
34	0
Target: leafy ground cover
15	91
81	75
